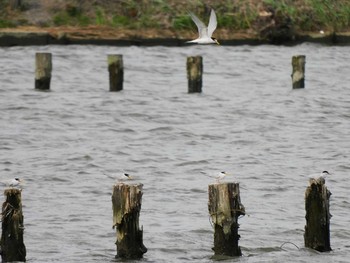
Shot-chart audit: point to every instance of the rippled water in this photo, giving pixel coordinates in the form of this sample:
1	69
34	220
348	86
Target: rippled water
69	143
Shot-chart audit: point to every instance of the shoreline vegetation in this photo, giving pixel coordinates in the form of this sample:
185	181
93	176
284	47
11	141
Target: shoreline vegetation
161	22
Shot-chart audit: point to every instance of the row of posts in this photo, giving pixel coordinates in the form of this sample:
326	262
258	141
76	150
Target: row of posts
43	71
224	207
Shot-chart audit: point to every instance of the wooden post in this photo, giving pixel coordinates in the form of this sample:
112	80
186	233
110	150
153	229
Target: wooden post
126	201
116	72
194	74
316	234
12	246
298	74
224	208
43	68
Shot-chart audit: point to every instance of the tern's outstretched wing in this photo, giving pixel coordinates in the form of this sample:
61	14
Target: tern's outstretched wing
212	23
202	29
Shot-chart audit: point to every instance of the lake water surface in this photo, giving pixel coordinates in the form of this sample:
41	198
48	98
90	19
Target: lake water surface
70	143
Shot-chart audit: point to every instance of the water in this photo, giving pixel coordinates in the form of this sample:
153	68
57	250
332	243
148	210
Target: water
69	143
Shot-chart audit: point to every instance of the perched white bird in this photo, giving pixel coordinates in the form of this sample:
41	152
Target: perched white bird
205	33
318	177
125	177
221	176
120	177
13	183
324	174
217	177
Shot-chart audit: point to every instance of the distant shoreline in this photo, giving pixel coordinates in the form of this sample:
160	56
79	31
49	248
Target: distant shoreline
26	36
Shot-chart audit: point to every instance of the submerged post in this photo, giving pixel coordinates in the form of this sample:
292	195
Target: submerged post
12	247
43	68
194	74
116	72
224	208
298	74
316	234
126	201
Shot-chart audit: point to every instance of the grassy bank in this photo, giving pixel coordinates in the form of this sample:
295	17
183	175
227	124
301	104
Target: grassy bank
255	16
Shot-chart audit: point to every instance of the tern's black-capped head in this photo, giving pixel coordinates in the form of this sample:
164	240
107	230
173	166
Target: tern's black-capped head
17	179
325	172
128	176
215	40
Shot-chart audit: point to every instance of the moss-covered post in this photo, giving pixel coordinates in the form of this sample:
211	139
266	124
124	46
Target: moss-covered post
43	68
126	201
224	208
116	72
298	74
317	234
12	247
194	74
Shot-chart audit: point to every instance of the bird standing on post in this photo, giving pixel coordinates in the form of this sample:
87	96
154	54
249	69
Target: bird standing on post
221	176
318	177
13	183
205	33
125	177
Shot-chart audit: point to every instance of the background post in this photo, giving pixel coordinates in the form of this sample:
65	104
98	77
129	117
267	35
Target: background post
43	68
298	74
116	72
194	74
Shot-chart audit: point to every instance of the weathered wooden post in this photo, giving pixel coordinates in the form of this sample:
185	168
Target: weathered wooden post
316	234
194	74
298	74
126	201
12	246
224	208
116	72
43	68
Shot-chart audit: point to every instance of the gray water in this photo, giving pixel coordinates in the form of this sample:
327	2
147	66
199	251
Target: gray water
69	144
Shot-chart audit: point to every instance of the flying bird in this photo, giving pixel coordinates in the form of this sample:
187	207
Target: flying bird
205	33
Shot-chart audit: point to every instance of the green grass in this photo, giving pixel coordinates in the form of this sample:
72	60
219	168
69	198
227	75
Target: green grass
183	22
314	15
306	15
6	23
332	14
100	17
63	18
120	21
71	16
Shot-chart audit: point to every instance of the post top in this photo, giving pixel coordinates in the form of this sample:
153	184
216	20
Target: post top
225	183
128	184
12	191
